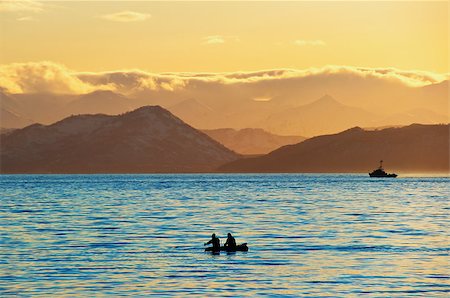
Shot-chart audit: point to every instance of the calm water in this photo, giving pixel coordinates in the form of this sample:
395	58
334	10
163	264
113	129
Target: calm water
309	235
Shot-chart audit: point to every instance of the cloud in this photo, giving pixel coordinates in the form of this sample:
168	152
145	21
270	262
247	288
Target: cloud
302	42
214	39
218	39
262	99
25	19
39	77
132	81
126	16
21	6
56	78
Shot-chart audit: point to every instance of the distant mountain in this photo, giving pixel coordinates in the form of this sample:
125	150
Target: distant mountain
196	113
9	119
10	116
149	139
41	107
423	116
435	97
20	110
414	148
323	116
102	101
251	140
8	103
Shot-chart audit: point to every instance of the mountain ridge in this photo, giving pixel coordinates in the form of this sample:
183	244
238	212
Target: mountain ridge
413	148
146	140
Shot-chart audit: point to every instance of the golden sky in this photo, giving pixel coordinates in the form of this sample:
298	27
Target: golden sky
225	36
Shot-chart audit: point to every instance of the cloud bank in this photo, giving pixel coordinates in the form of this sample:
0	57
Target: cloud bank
269	99
44	76
56	78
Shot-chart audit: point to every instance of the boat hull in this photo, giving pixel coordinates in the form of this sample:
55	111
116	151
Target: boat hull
383	176
240	247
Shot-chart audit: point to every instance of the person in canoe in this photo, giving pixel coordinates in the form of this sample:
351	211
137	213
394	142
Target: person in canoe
215	241
231	242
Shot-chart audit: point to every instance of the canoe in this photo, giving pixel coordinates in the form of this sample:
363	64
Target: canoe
240	247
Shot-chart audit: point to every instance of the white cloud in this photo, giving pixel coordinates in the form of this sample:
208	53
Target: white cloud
21	6
303	42
126	16
219	39
25	19
214	39
262	99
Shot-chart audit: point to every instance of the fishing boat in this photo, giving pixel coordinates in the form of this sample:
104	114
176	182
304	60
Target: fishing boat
380	173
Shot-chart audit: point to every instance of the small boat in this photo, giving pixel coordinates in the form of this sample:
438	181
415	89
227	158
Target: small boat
380	173
240	247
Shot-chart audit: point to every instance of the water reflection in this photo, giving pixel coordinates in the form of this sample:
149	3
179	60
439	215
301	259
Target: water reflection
144	234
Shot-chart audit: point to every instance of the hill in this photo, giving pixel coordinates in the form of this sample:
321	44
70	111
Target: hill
149	139
251	141
414	148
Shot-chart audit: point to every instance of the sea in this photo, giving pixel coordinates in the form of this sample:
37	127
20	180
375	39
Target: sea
309	235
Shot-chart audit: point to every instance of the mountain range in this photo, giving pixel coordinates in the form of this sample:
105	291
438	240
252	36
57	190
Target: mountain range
413	148
150	139
147	140
284	106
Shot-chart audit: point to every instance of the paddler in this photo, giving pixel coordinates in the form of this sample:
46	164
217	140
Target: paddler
231	242
215	242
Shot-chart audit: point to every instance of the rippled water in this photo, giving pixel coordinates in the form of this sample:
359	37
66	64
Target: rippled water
309	235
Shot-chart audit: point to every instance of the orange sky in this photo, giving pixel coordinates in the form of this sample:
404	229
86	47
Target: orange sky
225	36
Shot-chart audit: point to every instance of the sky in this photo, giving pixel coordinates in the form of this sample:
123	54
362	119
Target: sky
225	36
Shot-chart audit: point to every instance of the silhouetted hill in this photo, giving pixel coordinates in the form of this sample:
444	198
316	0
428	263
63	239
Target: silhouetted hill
6	131
251	140
414	148
149	139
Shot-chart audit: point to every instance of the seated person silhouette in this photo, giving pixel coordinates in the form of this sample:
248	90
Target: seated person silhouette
215	242
231	242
